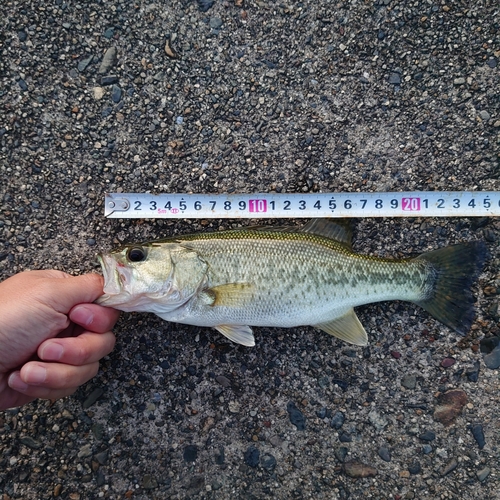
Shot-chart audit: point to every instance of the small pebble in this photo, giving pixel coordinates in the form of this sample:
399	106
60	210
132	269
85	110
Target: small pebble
205	5
478	433
296	416
450	406
483	473
384	454
116	94
473	373
345	438
492	62
484	115
84	63
492	360
224	381
427	436
449	467
488	344
23	85
190	453
409	381
321	413
341	453
149	482
215	23
102	457
252	456
98	93
395	78
268	462
30	442
93	397
108	61
85	451
378	420
337	420
415	468
109	80
427	448
447	362
358	469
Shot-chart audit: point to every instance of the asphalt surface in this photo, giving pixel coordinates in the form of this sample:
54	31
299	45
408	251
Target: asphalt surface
253	96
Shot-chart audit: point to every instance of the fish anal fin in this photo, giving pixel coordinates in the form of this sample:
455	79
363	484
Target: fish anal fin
229	294
241	334
347	328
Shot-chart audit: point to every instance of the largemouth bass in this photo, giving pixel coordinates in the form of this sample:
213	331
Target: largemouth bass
285	277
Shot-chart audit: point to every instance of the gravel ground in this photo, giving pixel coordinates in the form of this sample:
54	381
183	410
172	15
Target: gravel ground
248	96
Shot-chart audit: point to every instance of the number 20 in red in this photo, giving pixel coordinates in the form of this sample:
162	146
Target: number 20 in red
411	204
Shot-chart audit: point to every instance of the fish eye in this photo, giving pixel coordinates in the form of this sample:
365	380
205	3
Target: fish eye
136	254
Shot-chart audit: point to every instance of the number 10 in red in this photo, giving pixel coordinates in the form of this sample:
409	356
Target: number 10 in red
257	205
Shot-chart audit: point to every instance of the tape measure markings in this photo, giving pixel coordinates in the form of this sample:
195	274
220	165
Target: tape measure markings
296	205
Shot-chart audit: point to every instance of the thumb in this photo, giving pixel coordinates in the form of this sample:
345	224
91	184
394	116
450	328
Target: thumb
66	293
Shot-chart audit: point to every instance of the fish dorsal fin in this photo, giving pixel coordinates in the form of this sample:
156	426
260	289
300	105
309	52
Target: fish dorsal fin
228	294
347	328
339	230
241	334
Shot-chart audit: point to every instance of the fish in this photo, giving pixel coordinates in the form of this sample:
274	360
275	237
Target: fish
290	276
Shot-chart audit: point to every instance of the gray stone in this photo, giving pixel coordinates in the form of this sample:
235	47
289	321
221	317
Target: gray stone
384	454
84	63
109	60
484	115
93	397
215	23
409	381
378	420
492	360
483	473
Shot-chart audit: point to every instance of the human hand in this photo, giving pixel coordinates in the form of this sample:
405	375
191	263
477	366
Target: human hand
51	335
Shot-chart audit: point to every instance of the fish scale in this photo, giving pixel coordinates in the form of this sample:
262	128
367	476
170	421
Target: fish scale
284	277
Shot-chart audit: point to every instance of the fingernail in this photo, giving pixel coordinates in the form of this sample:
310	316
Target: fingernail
51	352
15	382
82	315
35	374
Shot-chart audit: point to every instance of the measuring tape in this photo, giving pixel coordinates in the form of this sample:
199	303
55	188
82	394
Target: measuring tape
276	205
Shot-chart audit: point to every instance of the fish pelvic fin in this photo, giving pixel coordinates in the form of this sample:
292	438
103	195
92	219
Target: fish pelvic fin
453	270
241	334
347	328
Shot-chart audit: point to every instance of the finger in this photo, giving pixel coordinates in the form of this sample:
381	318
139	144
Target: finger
53	376
65	293
87	348
94	317
20	393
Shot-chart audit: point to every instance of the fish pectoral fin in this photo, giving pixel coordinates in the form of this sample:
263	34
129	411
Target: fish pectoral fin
241	334
229	294
347	328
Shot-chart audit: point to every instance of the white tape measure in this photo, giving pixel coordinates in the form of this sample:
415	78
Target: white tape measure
276	205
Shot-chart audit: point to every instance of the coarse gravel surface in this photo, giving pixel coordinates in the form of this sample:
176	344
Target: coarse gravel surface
213	96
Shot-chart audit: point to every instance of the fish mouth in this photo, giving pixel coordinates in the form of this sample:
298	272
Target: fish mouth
112	280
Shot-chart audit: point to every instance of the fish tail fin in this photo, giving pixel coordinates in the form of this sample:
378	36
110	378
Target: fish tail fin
453	270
